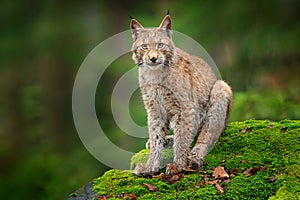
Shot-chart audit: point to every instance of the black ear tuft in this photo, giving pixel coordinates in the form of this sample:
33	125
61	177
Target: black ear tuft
130	17
168	13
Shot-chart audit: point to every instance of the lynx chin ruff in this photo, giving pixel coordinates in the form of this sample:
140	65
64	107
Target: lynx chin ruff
180	92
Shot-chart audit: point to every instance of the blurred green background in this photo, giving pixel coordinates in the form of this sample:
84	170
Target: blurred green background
255	44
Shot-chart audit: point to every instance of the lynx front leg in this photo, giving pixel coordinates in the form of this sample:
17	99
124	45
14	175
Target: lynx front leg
169	141
157	129
216	120
185	129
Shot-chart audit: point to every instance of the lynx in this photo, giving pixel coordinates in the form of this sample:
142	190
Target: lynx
180	92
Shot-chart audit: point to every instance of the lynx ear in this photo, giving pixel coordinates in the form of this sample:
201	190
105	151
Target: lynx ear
166	25
136	29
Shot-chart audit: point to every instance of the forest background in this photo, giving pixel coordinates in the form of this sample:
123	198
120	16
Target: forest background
255	44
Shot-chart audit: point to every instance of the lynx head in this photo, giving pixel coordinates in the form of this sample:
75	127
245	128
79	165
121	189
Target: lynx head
152	47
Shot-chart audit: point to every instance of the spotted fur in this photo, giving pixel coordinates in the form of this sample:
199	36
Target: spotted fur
180	92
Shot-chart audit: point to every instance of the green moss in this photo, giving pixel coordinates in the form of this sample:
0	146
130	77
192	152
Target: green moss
142	156
252	143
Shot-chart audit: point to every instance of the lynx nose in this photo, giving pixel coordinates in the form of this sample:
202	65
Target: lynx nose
153	59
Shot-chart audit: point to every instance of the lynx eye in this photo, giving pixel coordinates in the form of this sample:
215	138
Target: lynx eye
144	46
160	45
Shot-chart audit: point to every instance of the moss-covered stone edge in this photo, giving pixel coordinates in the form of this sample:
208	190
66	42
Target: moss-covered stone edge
243	145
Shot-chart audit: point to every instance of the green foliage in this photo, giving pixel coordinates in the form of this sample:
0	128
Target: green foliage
48	177
43	43
140	157
244	145
265	105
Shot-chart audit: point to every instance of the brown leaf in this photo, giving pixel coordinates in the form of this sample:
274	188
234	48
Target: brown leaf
246	129
233	172
129	196
205	177
219	188
171	175
151	188
220	173
174	168
171	178
271	126
283	129
102	198
247	172
243	161
171	169
227	180
271	180
211	182
253	170
157	176
133	196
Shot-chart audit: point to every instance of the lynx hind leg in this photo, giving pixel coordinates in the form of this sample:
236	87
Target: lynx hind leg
216	120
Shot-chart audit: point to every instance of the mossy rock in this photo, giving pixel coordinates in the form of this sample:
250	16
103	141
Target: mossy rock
142	157
243	145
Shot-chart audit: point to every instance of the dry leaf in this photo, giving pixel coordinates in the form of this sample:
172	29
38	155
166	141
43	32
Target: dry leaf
172	175
219	188
220	176
271	126
171	169
271	180
171	178
226	180
151	188
157	176
205	177
211	182
283	129
247	172
220	173
233	172
253	170
102	198
246	129
128	196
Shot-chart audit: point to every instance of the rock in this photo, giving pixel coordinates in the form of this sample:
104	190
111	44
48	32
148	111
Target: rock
276	150
84	193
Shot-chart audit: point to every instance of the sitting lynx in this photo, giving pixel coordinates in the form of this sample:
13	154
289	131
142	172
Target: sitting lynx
180	92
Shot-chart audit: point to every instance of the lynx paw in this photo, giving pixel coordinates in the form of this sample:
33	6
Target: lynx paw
144	170
172	169
195	161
